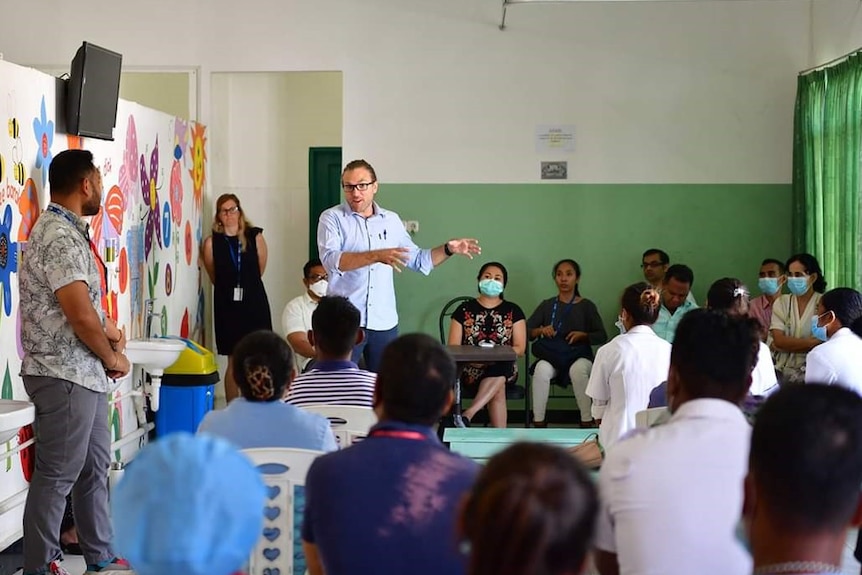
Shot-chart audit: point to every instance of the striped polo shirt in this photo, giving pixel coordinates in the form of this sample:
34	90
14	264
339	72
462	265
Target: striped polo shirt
334	383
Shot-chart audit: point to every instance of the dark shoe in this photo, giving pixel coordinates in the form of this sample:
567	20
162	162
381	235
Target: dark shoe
71	549
591	424
540	424
462	421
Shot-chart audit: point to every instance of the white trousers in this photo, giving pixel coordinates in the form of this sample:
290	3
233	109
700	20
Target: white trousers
579	373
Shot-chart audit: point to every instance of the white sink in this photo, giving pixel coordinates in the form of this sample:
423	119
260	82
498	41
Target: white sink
13	416
154	355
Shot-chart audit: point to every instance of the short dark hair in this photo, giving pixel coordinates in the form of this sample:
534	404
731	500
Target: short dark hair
67	170
416	376
312	263
262	366
662	255
335	322
812	266
714	354
357	164
728	295
642	302
846	304
574	265
680	272
769	261
496	265
806	457
532	509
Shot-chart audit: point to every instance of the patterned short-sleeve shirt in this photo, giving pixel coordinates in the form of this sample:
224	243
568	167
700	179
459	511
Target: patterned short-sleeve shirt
58	254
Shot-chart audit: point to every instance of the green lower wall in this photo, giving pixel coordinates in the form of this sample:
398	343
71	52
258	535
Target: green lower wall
719	230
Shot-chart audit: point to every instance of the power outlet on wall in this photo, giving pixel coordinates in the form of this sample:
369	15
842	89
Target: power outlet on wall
412	226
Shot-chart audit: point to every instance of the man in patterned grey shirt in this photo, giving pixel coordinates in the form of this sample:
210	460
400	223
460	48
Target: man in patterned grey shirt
70	352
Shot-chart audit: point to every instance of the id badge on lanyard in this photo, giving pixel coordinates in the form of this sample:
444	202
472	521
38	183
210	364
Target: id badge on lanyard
237	262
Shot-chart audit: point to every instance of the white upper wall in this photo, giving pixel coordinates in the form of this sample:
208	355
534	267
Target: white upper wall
836	29
434	92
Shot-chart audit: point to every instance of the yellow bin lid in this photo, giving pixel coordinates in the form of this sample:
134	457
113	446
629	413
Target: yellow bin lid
193	360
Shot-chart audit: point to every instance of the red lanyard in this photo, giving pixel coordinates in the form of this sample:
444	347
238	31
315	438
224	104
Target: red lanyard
414	435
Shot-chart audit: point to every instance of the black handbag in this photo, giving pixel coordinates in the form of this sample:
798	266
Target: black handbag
561	355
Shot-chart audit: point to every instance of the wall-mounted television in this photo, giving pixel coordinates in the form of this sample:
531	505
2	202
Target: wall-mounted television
92	92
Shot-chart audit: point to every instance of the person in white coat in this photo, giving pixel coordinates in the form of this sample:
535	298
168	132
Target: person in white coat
730	296
628	368
839	324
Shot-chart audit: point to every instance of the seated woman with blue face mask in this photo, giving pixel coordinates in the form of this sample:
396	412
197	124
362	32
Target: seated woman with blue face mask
489	320
792	316
839	325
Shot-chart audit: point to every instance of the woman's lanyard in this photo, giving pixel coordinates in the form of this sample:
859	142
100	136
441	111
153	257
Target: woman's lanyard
236	258
562	315
396	434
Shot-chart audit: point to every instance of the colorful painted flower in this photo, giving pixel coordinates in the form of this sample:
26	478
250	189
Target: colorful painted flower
188	235
44	132
166	224
124	270
150	194
176	193
129	170
8	259
28	206
199	158
184	324
169	279
181	136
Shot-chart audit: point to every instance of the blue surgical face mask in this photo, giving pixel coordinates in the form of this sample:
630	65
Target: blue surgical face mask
798	286
818	331
769	286
490	288
741	535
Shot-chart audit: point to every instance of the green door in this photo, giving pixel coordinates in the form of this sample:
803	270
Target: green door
324	188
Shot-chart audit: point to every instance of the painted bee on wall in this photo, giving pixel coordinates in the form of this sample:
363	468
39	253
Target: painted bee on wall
18	173
14	128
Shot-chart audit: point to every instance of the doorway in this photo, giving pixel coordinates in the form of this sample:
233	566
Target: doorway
324	189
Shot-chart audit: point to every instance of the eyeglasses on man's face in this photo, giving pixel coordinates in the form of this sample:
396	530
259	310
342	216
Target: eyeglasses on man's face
316	278
361	186
229	211
646	265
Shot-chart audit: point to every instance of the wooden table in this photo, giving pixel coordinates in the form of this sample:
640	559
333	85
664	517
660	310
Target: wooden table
466	354
480	444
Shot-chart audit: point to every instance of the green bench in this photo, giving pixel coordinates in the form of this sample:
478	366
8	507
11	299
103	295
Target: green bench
480	443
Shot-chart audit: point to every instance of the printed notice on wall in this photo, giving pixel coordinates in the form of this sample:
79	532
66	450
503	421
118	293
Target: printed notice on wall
555	138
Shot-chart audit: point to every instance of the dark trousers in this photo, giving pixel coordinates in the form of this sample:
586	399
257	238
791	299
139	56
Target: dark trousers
72	455
372	347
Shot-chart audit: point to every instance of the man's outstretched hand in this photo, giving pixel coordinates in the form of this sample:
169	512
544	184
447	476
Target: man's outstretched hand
465	247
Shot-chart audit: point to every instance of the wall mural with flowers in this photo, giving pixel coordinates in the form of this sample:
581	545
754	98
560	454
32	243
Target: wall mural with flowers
153	177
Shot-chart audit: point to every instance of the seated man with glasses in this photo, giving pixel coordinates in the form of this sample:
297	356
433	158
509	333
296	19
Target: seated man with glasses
360	244
654	263
296	318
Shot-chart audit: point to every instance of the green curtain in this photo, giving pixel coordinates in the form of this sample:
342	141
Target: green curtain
827	151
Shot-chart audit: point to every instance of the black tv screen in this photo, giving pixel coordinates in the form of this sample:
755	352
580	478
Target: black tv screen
92	92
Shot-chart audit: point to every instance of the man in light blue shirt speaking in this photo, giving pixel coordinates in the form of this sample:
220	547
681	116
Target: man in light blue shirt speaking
360	244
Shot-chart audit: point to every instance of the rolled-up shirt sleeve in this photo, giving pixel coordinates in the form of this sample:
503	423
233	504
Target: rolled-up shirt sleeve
330	242
420	259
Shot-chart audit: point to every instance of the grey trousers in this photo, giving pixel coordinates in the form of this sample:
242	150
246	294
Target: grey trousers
72	454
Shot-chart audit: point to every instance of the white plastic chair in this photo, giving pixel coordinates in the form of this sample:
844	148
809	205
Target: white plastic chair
650	417
350	424
280	547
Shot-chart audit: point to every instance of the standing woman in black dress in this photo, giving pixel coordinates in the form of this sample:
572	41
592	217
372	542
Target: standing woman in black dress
235	259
